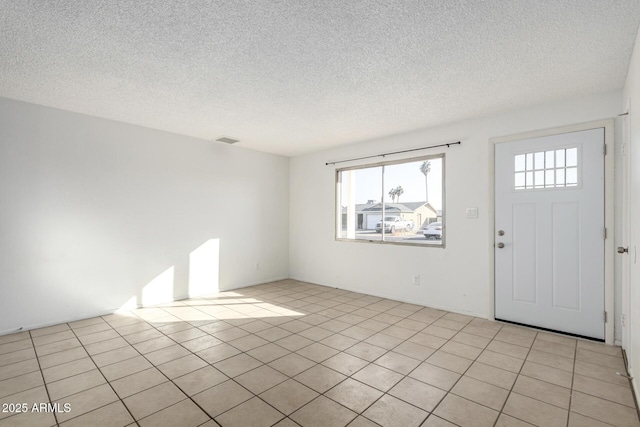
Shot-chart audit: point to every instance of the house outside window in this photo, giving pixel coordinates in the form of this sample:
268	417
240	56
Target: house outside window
408	194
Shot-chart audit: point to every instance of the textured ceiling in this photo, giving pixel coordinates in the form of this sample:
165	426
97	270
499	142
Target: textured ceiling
295	76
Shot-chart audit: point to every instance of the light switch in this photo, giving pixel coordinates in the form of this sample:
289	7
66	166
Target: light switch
472	212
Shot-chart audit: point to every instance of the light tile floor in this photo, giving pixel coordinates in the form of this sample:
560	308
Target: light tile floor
289	353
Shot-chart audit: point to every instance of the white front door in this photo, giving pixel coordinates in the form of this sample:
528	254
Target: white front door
549	224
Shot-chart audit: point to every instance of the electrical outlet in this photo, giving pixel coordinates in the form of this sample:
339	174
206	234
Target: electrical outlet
416	280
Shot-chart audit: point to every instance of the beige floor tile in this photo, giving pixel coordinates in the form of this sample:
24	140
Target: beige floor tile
288	396
75	384
30	397
508	349
384	341
142	336
294	342
315	333
512	336
47	339
323	412
237	365
124	368
450	324
317	352
200	380
130	328
368	352
86	401
268	353
535	411
435	376
358	333
201	343
62	357
375	325
184	414
107	345
472	340
230	334
339	342
392	412
167	354
48	330
604	410
609	350
20	383
114	356
600	359
479	331
17	369
492	375
253	412
292	364
15	346
248	342
261	379
256	326
187	335
462	350
547	373
439	331
154	345
505	420
418	393
222	397
449	361
17	356
481	392
273	334
435	421
601	373
557	338
543	391
552	360
57	346
354	395
345	363
361	421
378	377
320	378
98	336
397	362
465	413
184	365
413	325
415	351
85	323
295	326
555	348
29	419
502	361
112	415
218	353
153	400
577	420
68	369
138	382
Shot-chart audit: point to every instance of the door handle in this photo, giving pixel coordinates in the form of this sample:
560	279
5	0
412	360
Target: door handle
622	250
500	245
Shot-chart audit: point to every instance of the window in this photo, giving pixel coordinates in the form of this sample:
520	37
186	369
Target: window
546	169
408	194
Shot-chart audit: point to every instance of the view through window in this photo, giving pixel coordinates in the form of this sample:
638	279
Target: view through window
408	194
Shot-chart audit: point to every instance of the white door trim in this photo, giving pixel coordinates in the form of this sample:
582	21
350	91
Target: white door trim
609	244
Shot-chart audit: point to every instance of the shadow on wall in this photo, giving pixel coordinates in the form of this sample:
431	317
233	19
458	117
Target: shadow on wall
204	269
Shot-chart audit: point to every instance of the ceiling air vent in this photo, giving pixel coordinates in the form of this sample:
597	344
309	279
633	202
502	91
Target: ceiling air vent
227	140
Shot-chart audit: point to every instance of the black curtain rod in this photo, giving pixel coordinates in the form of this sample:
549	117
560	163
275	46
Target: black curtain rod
395	152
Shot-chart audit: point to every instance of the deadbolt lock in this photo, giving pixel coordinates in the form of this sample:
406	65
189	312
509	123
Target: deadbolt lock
500	232
500	245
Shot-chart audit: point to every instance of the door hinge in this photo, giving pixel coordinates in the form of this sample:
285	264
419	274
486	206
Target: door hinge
604	313
604	149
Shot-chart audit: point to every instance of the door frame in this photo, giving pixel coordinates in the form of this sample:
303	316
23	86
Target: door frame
609	218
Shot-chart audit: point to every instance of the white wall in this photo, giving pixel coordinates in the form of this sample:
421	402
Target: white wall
455	278
631	95
92	210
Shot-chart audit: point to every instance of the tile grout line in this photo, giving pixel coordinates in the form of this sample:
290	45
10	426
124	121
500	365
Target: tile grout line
46	388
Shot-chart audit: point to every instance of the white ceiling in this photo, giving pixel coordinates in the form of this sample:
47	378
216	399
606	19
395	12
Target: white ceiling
295	76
